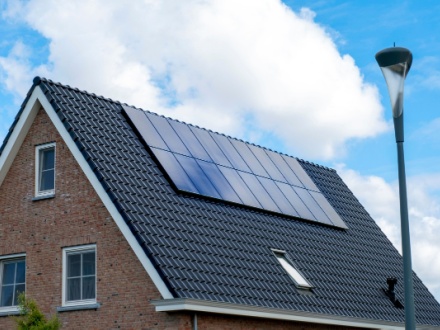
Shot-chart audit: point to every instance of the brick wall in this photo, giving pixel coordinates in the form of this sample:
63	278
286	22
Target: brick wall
74	217
207	321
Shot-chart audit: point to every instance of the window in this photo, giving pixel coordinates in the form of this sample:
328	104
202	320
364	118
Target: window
12	280
79	275
297	277
45	170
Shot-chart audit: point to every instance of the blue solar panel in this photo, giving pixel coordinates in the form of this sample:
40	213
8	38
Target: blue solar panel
210	164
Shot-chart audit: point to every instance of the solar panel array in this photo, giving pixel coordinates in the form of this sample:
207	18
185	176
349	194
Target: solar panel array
214	165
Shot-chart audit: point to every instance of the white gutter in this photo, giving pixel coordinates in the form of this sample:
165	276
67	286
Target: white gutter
186	304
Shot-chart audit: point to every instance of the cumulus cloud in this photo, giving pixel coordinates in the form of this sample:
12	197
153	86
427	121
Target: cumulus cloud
251	69
219	64
15	69
381	200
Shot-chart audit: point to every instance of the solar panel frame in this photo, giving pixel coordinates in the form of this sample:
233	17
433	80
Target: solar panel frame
198	176
210	164
249	158
193	144
208	143
169	135
242	189
175	170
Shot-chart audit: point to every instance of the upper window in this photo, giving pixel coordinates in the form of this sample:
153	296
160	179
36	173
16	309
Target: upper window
297	277
79	275
12	279
45	170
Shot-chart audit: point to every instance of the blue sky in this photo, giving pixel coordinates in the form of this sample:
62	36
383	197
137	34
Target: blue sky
296	76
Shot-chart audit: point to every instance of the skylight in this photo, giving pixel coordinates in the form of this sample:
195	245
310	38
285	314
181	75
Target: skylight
296	276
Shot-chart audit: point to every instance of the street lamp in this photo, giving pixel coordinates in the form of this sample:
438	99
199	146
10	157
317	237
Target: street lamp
395	63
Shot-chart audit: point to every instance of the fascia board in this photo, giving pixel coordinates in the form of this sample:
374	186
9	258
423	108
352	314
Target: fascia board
194	305
38	98
18	135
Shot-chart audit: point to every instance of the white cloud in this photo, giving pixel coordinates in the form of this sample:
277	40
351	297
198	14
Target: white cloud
15	69
215	63
381	200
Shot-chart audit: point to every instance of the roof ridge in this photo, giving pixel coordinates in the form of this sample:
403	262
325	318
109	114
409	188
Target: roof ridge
37	80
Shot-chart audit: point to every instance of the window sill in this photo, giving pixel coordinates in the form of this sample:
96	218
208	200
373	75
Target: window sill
9	312
78	307
48	196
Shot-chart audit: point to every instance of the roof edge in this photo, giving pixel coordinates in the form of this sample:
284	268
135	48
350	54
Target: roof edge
36	99
195	305
36	81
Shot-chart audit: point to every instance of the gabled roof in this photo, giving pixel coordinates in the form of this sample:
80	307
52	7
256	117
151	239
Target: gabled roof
204	253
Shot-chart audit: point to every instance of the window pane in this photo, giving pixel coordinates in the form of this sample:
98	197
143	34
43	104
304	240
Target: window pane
18	290
73	265
48	159
47	180
6	298
20	276
88	287
8	273
297	277
74	289
89	263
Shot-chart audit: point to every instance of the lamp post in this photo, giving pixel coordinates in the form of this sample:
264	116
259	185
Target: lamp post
395	63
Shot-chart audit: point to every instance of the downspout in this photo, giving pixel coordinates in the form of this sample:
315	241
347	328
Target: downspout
194	321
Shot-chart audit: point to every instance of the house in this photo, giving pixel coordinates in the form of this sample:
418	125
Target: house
114	217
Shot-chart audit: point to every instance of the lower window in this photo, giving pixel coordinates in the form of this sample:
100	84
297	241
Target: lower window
79	275
12	279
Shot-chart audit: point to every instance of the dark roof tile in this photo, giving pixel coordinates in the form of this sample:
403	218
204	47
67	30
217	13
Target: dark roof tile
214	250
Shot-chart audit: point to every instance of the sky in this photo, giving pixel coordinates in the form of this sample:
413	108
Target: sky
295	76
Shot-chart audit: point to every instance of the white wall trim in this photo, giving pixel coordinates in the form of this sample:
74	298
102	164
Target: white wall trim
172	305
18	134
10	151
66	251
38	170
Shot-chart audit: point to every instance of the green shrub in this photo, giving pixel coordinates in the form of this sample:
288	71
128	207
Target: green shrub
31	318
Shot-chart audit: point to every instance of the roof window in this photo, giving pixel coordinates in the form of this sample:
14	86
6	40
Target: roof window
288	266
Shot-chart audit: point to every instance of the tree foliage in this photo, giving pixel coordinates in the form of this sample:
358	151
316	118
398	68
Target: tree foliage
31	318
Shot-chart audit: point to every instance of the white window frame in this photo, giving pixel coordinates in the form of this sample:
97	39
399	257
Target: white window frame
38	150
74	249
3	259
290	268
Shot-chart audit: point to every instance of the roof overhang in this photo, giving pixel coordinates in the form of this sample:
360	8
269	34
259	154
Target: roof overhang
17	133
195	305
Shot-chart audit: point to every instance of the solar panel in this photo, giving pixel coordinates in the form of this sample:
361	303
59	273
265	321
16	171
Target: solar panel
210	164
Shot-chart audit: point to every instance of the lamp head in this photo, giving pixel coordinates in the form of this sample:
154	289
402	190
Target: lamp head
395	63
